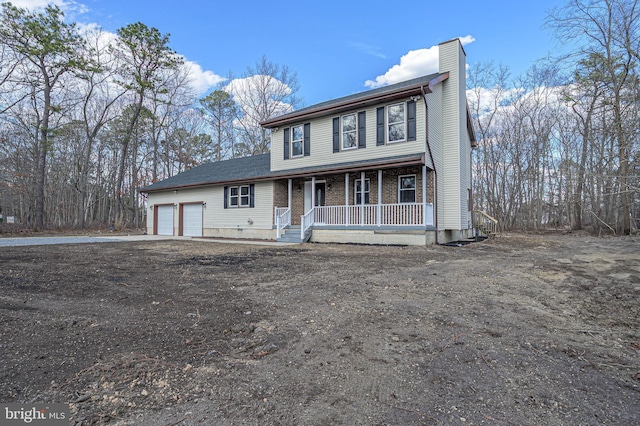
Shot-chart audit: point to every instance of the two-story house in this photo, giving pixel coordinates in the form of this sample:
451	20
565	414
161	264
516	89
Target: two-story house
386	166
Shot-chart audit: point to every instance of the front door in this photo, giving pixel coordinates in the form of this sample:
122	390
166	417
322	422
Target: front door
321	195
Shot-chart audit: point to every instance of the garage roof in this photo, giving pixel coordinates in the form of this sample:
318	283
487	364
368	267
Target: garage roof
245	168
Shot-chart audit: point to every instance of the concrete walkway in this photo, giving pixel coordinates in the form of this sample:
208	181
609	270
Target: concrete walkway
79	239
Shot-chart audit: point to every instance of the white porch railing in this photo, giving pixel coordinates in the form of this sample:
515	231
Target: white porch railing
283	219
409	214
278	211
306	221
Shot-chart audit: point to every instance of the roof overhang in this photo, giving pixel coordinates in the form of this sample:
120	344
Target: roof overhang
401	161
359	102
388	163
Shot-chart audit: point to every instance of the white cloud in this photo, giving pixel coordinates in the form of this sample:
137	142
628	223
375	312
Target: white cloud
201	80
66	6
415	63
487	99
37	4
468	39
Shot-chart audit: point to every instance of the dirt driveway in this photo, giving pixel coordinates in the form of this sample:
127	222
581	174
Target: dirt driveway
517	330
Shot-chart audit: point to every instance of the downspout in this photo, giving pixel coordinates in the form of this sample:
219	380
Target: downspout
433	163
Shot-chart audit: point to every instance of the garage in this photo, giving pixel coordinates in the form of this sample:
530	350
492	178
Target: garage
164	220
192	220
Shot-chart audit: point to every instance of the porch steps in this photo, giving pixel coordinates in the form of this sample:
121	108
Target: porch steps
484	223
292	235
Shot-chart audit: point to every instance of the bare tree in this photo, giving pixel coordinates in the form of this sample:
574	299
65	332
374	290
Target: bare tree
266	90
49	49
607	33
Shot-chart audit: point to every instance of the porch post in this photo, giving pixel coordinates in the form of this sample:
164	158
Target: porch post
346	197
424	195
362	198
379	218
313	192
289	192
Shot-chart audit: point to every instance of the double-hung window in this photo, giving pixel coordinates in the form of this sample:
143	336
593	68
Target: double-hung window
297	141
239	196
407	189
396	123
349	131
357	193
396	129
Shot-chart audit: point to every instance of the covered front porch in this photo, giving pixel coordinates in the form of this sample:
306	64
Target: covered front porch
383	199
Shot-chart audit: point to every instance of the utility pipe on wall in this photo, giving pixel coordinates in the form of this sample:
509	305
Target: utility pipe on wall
433	163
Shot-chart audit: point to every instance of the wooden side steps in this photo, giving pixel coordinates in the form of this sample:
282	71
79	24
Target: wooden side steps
484	223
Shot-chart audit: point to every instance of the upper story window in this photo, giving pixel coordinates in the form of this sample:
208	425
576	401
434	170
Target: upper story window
297	141
349	131
407	189
396	123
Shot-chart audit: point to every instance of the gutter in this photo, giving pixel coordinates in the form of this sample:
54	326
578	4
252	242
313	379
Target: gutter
433	163
344	105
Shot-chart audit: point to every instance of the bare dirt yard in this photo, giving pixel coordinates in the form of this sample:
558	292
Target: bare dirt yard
515	330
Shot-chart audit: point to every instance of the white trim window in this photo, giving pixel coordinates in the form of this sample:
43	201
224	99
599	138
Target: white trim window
239	196
297	141
349	131
357	191
396	123
407	189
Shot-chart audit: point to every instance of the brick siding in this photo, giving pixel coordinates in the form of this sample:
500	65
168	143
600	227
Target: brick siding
335	189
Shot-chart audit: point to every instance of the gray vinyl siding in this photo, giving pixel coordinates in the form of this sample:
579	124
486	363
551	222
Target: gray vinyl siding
261	215
214	213
322	143
452	94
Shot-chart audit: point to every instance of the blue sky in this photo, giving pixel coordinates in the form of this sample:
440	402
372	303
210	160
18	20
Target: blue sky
335	47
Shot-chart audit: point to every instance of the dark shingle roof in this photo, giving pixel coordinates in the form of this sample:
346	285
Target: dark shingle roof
246	168
414	83
374	92
258	168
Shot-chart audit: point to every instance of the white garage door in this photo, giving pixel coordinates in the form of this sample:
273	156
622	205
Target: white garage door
192	220
165	220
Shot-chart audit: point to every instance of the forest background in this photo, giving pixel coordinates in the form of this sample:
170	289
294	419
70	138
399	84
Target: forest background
88	117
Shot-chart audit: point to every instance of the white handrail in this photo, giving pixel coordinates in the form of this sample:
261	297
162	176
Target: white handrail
282	220
278	211
306	221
